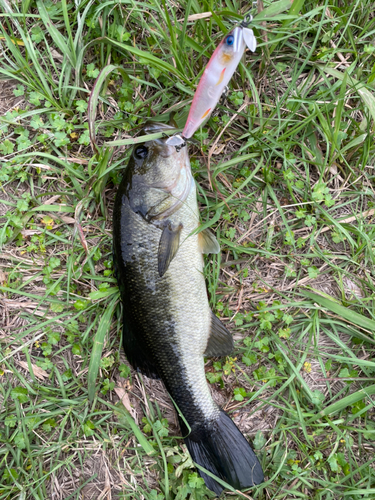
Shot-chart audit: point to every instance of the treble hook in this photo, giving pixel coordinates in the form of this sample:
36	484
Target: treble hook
180	146
178	141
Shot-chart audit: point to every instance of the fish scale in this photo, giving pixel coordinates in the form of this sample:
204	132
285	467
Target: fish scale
172	327
168	326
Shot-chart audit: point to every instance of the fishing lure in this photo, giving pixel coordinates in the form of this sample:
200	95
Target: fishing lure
219	70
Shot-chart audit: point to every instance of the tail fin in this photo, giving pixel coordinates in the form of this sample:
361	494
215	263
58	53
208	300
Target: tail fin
224	451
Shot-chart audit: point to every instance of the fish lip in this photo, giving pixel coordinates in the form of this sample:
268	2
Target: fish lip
159	148
159	145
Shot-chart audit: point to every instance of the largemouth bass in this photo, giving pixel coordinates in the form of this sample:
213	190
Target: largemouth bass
168	326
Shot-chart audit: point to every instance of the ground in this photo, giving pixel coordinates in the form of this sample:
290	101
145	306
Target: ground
285	177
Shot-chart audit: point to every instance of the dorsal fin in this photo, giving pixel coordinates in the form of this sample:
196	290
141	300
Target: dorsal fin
139	356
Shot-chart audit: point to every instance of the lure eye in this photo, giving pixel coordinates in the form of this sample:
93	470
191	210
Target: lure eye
140	152
229	40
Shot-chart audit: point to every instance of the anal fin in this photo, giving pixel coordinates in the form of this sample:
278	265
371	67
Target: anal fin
220	341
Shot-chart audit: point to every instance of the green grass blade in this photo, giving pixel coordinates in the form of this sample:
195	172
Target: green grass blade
94	98
149	58
344	403
141	138
367	97
294	10
343	312
67	21
339	111
53	208
273	10
96	354
55	33
142	440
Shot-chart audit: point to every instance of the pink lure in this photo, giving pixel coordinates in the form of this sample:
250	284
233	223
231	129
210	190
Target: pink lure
216	76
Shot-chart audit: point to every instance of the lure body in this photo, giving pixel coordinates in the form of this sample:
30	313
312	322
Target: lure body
220	68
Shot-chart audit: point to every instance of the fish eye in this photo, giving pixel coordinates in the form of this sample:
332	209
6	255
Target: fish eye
229	40
140	152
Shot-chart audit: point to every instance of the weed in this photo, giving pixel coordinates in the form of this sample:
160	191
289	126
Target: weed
291	205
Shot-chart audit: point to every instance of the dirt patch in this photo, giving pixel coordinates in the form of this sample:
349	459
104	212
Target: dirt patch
8	100
96	478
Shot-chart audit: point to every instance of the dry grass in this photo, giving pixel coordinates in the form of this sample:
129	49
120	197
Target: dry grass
54	442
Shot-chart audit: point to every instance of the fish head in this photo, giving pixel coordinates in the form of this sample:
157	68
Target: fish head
159	173
159	160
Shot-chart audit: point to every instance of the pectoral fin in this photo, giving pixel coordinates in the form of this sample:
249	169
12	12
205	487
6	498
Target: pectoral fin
208	242
220	341
168	246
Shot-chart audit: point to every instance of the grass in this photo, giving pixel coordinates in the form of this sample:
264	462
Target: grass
291	161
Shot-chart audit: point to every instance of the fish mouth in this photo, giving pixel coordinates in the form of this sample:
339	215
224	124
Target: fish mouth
160	146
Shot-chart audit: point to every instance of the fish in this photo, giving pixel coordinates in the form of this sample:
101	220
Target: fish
218	72
168	326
